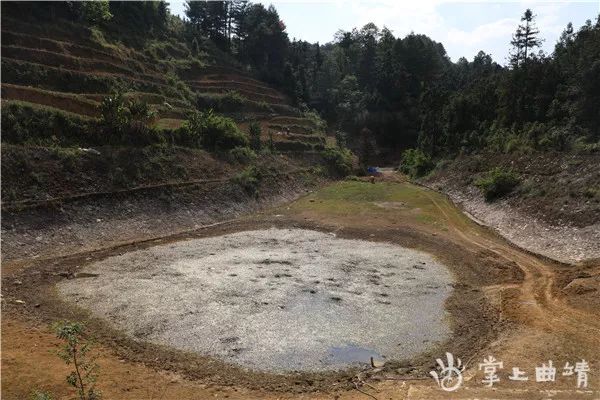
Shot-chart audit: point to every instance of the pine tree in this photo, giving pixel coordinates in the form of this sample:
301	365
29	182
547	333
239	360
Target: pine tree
524	40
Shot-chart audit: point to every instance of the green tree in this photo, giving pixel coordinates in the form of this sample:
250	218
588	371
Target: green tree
94	12
524	40
263	41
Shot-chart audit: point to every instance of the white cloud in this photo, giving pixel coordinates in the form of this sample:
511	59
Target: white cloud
424	16
502	28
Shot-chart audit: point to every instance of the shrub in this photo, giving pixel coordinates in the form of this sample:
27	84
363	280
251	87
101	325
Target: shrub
338	160
415	163
23	123
255	131
292	146
128	122
249	179
232	101
271	143
316	120
581	145
215	132
114	116
497	183
177	88
242	155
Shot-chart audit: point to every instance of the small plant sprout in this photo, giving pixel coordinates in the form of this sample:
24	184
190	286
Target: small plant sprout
75	350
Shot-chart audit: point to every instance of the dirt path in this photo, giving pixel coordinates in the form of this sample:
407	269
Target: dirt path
529	320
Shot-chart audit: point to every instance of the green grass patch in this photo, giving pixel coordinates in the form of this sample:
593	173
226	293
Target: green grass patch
351	198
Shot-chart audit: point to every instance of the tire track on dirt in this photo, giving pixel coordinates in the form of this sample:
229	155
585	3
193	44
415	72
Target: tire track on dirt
538	283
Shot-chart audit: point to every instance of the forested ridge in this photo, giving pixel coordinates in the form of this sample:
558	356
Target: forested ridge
387	94
382	94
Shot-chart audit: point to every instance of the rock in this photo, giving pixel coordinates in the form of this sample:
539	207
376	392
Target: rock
84	275
19	302
89	150
580	286
17	282
377	364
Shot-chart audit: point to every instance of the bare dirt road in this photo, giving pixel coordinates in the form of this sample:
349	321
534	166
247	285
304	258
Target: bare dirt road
506	303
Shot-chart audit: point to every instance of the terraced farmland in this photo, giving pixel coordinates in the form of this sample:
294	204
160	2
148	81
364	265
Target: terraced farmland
70	69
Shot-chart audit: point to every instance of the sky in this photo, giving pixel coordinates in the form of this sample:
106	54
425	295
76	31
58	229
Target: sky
463	27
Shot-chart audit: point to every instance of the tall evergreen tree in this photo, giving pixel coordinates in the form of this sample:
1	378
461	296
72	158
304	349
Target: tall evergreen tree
525	39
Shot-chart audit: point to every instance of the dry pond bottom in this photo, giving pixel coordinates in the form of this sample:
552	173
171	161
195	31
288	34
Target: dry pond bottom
276	300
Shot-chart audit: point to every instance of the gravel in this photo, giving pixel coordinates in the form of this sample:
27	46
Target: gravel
276	300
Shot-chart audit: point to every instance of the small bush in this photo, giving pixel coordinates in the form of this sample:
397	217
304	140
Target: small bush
255	132
23	123
242	155
177	88
497	183
232	101
581	145
128	122
214	132
592	192
316	120
415	163
338	160
249	179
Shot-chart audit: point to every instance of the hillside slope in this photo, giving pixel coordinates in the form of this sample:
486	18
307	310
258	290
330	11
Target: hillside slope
554	210
56	74
71	67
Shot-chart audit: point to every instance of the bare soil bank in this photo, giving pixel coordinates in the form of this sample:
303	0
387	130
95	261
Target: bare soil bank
91	223
555	211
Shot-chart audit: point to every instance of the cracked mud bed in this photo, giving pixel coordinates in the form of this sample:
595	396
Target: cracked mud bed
275	299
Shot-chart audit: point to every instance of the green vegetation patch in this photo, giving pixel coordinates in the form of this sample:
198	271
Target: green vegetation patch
404	202
497	183
415	163
338	160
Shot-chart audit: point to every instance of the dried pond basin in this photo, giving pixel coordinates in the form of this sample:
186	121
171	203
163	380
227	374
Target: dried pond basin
277	300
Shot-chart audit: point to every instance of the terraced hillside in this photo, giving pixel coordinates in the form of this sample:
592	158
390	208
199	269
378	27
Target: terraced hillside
70	68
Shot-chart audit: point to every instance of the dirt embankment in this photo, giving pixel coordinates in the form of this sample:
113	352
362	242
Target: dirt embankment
554	211
98	202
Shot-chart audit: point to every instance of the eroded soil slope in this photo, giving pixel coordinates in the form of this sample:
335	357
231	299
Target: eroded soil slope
554	211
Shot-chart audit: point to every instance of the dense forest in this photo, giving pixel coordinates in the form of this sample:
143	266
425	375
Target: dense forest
381	94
